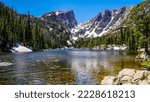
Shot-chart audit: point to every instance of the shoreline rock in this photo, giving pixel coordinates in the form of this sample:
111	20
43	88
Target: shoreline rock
110	47
128	77
5	64
143	56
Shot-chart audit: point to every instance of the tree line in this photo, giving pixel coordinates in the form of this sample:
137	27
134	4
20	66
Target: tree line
135	32
29	31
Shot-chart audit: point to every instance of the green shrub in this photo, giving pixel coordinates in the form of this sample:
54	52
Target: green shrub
146	64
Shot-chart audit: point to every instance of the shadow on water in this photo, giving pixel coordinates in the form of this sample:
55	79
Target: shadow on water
63	67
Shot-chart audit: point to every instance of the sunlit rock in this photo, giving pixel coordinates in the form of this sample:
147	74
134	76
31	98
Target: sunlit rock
3	64
148	77
127	84
139	75
143	56
125	79
109	80
143	82
126	72
128	77
146	73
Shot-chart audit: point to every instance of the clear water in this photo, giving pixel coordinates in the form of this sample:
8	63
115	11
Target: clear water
81	67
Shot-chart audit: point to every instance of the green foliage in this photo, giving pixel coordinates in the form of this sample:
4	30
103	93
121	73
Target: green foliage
135	32
29	31
120	37
146	64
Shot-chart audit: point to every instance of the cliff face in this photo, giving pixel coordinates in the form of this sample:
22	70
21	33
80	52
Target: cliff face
65	17
103	23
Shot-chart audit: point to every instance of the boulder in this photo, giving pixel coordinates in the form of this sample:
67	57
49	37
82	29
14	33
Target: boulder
125	80
4	64
148	81
139	75
128	77
126	72
108	80
143	82
146	73
148	77
143	56
127	84
116	82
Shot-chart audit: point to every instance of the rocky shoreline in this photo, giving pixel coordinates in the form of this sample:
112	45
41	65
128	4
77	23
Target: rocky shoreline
128	77
110	47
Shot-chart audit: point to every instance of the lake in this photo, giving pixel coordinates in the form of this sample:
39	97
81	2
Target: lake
64	67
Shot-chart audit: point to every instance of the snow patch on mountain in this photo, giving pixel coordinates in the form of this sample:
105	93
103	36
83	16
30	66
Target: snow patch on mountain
102	24
21	49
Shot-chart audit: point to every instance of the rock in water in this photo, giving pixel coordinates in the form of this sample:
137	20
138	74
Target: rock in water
4	64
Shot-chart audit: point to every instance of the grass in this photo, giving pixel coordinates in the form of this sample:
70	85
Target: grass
146	65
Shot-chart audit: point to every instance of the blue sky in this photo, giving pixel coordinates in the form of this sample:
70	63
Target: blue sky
84	9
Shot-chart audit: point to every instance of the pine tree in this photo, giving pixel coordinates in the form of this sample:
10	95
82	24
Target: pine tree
28	32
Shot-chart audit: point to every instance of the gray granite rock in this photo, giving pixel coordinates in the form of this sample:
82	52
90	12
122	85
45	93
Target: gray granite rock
128	77
109	80
139	75
126	72
4	64
143	82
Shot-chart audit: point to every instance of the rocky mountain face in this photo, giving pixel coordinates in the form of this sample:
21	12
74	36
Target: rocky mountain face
147	8
56	27
102	24
67	18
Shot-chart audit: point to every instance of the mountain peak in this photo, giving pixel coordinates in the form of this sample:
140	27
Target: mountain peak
63	12
103	23
65	17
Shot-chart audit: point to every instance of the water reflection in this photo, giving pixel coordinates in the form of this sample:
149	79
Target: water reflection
64	67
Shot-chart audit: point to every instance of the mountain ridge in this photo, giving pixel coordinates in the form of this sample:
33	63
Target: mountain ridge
101	24
65	17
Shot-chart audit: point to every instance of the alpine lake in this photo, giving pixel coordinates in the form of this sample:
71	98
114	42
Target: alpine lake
65	67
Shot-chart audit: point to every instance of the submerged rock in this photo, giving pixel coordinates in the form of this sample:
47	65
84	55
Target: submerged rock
3	64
